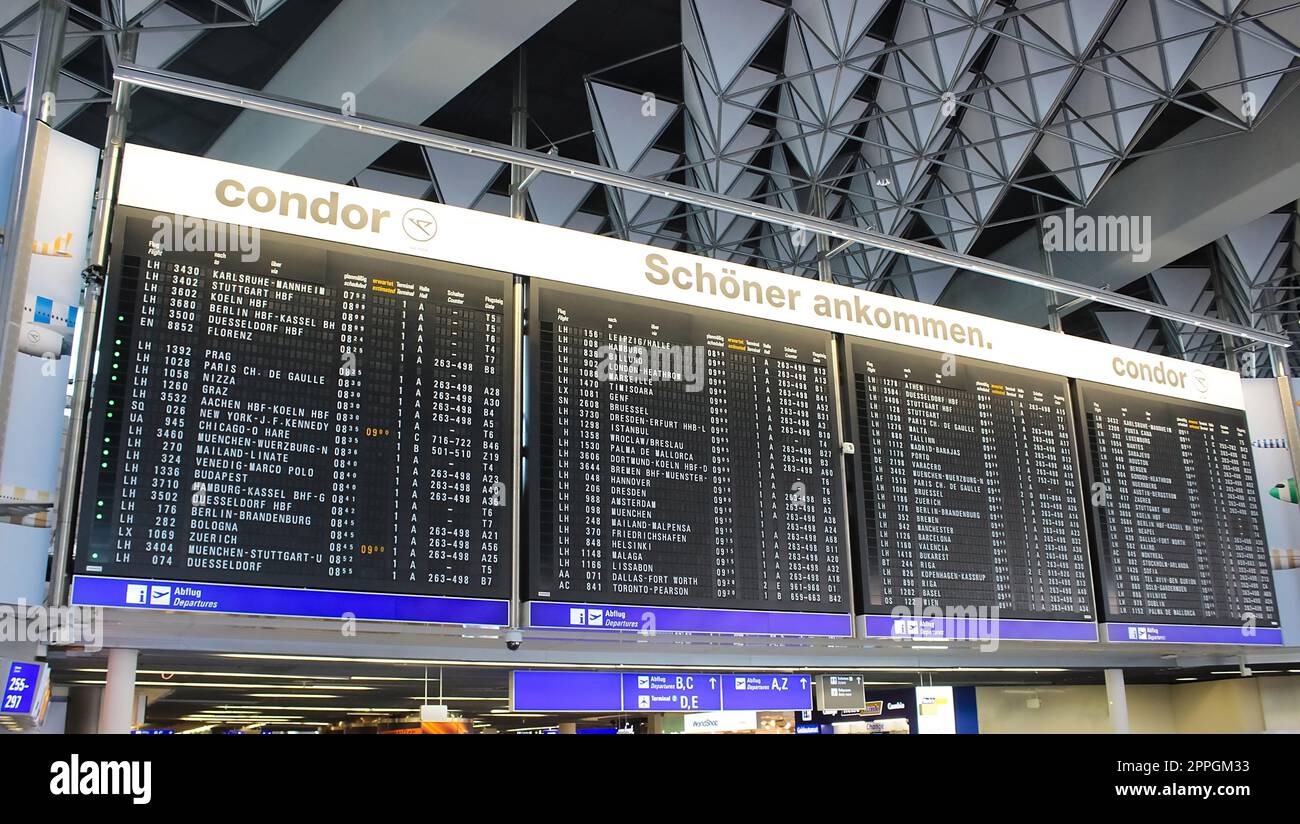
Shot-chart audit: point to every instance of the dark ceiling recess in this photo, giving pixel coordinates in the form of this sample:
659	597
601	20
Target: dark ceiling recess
246	56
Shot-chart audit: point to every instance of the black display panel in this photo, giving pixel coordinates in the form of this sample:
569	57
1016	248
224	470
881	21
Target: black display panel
968	486
324	417
681	457
1175	510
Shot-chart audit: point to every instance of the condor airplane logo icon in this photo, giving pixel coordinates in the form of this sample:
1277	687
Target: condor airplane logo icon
419	224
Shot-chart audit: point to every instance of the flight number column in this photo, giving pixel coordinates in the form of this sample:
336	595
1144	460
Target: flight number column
176	326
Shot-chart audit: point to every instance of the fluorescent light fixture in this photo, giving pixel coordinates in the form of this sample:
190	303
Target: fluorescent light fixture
229	674
530	729
1253	672
370	710
238	719
442	699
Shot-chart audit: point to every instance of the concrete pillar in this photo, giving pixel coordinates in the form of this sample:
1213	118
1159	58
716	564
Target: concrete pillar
1117	700
1279	702
117	710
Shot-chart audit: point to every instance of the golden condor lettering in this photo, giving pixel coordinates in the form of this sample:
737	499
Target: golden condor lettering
323	210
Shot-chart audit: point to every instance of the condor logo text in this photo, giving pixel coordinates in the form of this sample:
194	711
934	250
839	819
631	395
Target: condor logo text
326	211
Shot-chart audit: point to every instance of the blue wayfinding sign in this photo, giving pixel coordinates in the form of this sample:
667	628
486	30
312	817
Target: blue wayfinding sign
672	692
21	683
565	691
587	691
768	691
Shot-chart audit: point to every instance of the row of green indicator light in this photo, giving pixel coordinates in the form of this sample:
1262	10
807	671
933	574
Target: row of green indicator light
103	464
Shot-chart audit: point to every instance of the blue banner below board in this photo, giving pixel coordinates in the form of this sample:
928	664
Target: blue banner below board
652	620
238	599
1192	634
954	628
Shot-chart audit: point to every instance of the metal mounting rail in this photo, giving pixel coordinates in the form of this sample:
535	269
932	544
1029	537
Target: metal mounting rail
187	86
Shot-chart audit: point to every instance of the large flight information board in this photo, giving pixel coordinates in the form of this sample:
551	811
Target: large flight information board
1175	512
681	457
320	417
969	490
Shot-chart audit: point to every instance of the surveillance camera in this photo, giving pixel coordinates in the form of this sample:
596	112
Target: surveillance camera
514	640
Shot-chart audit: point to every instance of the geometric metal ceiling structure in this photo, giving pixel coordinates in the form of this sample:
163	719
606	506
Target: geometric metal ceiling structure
938	119
1250	276
1260	265
166	29
942	121
628	127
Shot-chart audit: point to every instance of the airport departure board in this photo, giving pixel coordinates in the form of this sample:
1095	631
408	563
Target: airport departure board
681	457
968	486
323	416
1175	511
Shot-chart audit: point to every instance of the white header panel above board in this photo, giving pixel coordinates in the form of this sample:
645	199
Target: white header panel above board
226	192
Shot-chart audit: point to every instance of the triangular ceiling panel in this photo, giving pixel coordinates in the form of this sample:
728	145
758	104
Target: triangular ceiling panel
626	122
556	197
732	33
1181	288
838	23
1255	242
461	179
1123	328
930	285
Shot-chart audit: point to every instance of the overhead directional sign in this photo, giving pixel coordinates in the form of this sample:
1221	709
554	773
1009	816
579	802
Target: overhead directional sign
768	691
565	691
22	682
571	691
26	694
841	692
671	692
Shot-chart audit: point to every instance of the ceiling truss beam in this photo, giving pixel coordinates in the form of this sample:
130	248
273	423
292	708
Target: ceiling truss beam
171	82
